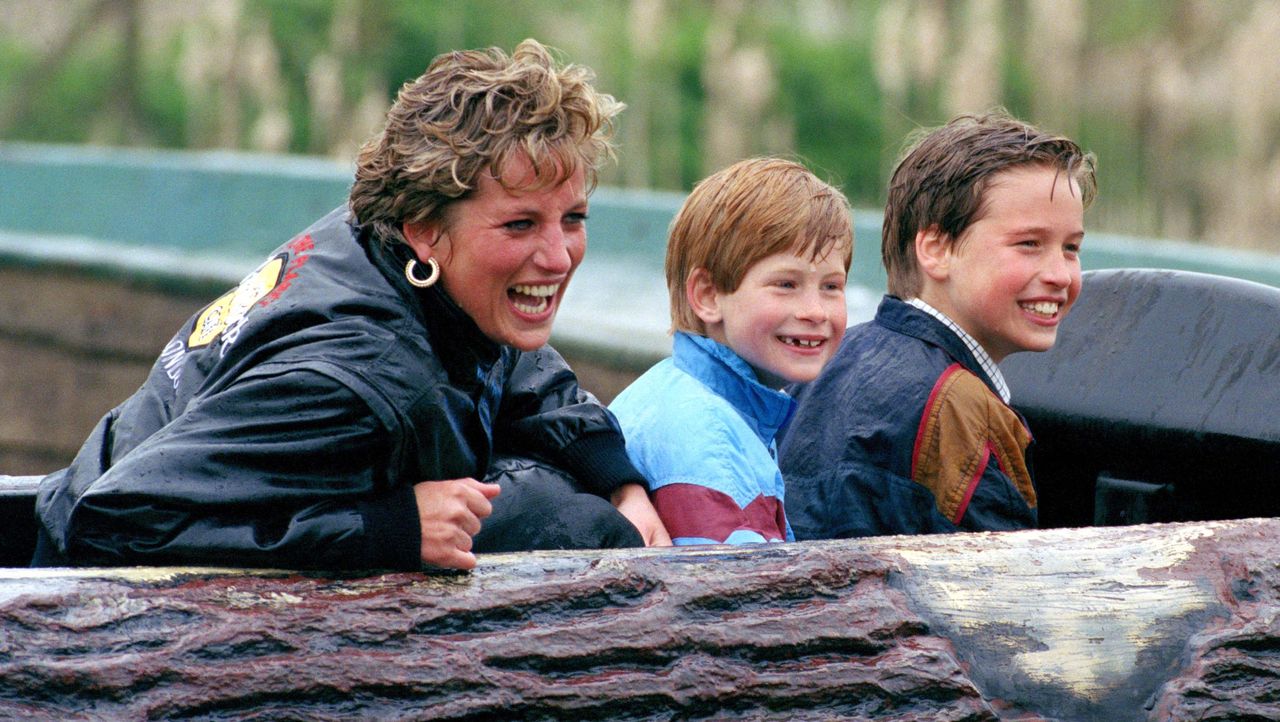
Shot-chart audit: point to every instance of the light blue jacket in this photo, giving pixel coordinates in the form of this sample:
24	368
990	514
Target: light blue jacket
701	428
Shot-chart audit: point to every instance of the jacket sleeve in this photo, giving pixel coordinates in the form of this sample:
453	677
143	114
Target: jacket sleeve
282	468
970	451
708	480
546	415
995	504
718	504
856	498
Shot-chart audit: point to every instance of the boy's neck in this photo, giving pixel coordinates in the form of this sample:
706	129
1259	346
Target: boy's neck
938	302
988	363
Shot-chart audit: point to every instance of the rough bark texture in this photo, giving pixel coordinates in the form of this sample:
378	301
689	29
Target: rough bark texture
1170	622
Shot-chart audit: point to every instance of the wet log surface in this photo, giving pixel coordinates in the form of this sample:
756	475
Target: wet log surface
1165	622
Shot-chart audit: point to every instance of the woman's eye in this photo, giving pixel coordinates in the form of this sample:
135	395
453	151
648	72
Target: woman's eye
520	225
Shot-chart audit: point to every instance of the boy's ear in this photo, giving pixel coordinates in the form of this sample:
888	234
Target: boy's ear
702	296
933	253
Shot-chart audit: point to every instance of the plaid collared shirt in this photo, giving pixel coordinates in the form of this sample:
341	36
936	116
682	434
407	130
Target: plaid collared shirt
984	358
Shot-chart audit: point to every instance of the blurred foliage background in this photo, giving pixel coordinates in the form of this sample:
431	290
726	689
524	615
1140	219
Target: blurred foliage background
1180	99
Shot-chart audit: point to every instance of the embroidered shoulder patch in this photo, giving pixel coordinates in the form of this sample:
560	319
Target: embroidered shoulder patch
229	308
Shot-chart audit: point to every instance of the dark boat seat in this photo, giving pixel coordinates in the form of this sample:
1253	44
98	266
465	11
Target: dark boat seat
17	513
1158	402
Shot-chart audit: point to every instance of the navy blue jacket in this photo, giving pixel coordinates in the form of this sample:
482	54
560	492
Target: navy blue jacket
287	422
903	433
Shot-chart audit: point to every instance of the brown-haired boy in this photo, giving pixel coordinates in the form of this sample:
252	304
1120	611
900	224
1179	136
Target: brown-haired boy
757	262
909	429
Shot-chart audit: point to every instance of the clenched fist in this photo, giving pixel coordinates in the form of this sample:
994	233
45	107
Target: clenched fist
450	513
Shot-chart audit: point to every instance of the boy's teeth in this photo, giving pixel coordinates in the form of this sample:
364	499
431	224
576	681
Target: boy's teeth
804	343
1044	308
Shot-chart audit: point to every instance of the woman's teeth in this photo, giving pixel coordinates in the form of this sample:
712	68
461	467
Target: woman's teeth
533	299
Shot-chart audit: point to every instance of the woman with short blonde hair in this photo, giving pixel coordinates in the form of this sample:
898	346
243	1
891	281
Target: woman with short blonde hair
340	407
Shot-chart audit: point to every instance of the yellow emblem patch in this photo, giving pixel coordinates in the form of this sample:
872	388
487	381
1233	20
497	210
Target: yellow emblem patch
231	306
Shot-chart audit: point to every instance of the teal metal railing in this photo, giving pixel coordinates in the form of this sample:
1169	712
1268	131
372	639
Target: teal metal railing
208	217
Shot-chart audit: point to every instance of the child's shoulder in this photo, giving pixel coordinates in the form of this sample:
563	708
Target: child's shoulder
660	380
877	371
665	389
668	402
678	430
882	355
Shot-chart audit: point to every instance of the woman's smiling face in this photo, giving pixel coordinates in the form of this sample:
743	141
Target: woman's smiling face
506	257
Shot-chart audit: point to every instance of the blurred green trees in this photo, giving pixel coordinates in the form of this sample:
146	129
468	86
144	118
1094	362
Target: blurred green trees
1180	99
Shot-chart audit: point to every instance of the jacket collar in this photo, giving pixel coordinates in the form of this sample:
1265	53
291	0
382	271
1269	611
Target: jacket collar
898	315
465	352
724	372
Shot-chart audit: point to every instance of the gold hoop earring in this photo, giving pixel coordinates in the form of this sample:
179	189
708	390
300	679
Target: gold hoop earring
422	282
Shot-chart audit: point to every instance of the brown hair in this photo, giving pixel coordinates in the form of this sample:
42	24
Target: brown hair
944	173
744	213
471	112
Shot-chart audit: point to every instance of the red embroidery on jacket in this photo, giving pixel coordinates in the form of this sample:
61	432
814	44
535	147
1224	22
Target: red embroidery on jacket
299	248
987	453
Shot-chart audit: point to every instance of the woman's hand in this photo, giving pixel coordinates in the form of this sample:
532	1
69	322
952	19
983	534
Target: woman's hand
450	513
633	502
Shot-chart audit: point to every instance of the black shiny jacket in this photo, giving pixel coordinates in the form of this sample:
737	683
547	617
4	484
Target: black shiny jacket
286	423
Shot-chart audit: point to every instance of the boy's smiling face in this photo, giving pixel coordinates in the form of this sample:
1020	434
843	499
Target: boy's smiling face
1013	274
786	317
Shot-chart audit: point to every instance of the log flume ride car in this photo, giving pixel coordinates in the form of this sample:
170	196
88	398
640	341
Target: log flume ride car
1157	405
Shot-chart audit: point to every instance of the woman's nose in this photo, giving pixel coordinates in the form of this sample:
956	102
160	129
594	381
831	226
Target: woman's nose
553	253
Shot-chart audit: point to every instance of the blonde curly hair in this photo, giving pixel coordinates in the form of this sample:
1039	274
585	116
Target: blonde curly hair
471	112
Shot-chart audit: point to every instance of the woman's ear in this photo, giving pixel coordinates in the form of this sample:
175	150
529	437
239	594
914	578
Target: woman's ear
703	297
422	238
933	253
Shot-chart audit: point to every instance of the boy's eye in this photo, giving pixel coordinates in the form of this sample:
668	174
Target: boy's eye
575	219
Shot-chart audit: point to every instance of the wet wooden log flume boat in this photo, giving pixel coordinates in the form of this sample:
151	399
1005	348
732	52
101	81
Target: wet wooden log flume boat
1175	621
1157	405
1153	622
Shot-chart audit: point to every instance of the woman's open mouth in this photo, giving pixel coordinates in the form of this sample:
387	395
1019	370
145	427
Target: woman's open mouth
532	299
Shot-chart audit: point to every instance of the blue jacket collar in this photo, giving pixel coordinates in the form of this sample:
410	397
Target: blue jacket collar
898	315
724	372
